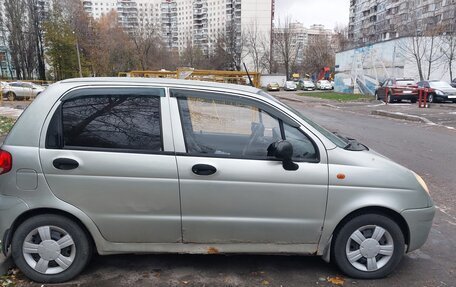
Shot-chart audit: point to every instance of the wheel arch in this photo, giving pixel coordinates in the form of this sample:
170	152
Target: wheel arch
40	211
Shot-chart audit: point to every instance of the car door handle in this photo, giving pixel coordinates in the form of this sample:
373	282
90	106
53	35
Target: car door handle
65	163
203	169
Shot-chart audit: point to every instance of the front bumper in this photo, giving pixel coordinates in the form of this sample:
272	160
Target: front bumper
419	222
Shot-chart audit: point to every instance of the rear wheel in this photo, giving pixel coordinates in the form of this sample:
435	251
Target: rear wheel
50	248
11	96
368	246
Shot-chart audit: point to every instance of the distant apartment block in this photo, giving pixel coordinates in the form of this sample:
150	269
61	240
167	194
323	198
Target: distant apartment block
374	21
187	22
301	37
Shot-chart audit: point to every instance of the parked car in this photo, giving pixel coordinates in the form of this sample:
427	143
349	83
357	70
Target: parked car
239	172
324	85
273	87
396	90
453	83
438	91
290	86
22	90
307	85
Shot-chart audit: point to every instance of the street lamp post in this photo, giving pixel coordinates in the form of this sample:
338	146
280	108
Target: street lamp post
79	57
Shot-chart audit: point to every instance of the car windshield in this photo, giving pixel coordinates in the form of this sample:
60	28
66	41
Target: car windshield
439	85
338	141
405	82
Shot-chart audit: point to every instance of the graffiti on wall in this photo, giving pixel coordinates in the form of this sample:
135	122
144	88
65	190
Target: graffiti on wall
363	69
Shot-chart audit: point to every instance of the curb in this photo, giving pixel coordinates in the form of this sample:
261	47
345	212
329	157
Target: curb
288	99
5	264
401	116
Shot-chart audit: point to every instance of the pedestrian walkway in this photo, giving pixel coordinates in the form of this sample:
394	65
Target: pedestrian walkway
10	112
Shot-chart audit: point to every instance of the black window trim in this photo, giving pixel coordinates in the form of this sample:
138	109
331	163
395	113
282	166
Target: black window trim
104	91
264	107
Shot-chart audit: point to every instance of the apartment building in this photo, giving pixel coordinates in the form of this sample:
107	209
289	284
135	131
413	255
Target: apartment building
188	22
374	21
301	36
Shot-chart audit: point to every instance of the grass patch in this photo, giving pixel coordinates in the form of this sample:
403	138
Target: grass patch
337	96
6	124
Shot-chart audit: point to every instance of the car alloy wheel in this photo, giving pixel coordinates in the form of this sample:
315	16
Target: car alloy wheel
369	248
431	98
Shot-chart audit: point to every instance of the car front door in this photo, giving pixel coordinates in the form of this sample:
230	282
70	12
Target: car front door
231	190
109	152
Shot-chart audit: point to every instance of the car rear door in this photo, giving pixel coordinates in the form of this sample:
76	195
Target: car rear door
109	152
231	190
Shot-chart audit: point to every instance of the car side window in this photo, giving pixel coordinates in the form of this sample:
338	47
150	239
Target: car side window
303	147
107	122
226	127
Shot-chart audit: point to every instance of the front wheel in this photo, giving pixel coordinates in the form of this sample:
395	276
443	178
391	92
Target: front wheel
389	98
431	98
368	246
50	248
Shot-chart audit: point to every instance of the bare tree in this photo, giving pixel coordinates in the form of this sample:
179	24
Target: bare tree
17	41
340	38
255	45
284	47
319	53
145	40
449	52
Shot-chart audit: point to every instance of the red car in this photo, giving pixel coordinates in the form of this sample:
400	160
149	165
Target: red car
396	90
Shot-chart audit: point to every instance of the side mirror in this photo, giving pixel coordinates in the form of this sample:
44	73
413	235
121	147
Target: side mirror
283	150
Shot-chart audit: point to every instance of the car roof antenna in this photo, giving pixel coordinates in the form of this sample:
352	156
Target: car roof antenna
248	75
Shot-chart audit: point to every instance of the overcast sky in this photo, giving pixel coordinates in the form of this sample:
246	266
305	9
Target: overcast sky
326	12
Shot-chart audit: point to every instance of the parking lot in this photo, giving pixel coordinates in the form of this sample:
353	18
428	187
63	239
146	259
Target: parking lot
425	146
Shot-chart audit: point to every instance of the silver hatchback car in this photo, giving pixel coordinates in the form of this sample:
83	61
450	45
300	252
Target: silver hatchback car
116	165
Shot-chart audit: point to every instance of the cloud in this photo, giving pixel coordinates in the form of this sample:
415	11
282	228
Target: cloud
326	12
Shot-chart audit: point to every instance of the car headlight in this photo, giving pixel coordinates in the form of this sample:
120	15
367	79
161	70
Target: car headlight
422	183
440	93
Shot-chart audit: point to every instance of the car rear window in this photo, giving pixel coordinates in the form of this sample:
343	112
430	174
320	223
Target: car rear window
119	122
109	122
405	82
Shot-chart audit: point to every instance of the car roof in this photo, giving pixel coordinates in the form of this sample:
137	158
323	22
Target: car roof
160	81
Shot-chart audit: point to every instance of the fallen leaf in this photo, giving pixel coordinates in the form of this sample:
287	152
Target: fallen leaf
336	280
265	282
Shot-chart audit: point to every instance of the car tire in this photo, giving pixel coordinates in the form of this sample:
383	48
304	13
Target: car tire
11	96
370	241
413	101
389	98
376	96
431	98
50	248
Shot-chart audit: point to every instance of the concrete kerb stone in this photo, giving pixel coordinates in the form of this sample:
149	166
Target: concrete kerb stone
401	116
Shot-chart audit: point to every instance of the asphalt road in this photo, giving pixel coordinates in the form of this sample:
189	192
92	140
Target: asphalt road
428	150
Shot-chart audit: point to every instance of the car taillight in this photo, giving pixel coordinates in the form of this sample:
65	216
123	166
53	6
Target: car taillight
6	161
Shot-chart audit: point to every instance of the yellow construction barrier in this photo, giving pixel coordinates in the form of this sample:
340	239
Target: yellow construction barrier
232	77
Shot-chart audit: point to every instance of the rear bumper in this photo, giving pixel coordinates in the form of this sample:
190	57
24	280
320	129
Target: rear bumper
10	208
419	222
